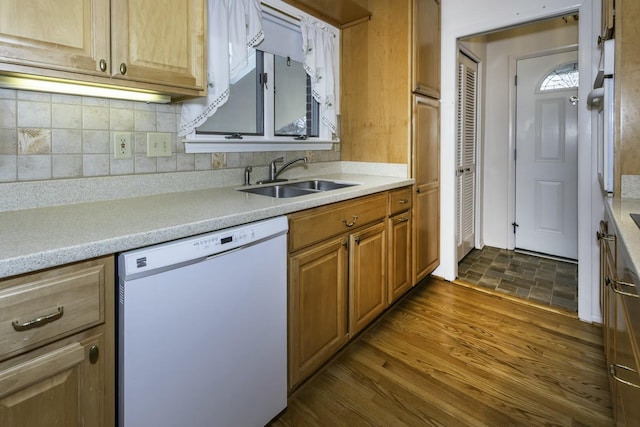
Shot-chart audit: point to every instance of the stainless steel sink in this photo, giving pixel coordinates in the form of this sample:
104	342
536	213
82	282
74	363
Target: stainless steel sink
320	185
295	189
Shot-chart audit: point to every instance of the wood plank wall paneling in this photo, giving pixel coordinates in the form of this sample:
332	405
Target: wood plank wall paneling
452	355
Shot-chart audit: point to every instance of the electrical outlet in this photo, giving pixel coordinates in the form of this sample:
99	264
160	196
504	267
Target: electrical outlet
122	145
159	144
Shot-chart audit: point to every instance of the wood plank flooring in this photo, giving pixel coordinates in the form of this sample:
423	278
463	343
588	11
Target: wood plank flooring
451	355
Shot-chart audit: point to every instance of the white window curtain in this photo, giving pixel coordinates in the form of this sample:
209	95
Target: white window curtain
318	47
235	27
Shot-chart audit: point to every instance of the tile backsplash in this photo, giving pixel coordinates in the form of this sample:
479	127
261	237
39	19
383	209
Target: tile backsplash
47	136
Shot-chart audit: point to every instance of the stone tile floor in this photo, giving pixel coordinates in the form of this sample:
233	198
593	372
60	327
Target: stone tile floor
544	281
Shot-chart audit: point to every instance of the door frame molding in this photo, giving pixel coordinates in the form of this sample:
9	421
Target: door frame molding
511	192
477	191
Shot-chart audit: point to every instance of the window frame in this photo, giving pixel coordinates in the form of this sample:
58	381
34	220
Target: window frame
209	143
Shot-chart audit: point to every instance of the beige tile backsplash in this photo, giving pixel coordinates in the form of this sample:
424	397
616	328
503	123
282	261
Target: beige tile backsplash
47	136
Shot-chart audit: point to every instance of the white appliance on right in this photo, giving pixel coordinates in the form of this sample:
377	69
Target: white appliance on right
603	96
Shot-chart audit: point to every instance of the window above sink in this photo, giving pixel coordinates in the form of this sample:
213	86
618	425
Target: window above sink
272	104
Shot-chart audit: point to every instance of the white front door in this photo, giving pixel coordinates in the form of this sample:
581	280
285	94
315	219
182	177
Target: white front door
546	215
466	124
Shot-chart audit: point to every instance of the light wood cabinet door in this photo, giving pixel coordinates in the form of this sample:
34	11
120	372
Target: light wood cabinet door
367	276
426	141
426	230
160	42
426	171
63	386
399	255
317	306
426	47
66	35
57	359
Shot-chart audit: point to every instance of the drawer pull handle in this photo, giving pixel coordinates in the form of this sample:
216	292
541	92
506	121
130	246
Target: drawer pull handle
604	236
350	224
615	287
612	371
401	220
37	322
403	201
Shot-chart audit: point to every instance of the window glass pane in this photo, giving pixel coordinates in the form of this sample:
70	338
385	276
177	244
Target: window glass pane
242	113
563	77
295	109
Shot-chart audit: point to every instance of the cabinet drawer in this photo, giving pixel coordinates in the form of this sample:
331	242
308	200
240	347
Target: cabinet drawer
399	200
44	306
314	225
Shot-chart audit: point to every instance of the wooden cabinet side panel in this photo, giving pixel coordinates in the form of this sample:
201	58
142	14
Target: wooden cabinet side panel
627	91
367	276
317	307
375	85
67	35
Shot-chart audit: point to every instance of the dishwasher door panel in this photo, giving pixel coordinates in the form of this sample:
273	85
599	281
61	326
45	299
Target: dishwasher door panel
205	344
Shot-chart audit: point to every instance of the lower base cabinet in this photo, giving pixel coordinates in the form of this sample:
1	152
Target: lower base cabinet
317	306
340	257
620	303
56	347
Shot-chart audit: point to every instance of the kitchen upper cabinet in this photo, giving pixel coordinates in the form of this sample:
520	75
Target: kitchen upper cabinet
65	35
426	47
159	42
149	45
57	362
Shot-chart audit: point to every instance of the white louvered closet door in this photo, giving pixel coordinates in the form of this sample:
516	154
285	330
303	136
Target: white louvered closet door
466	154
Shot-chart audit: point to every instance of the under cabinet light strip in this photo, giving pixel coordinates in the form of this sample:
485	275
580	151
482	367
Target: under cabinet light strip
39	85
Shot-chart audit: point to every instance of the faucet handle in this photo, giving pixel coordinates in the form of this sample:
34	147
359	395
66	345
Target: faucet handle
278	160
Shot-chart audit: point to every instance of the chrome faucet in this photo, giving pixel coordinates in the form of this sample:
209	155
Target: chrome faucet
274	171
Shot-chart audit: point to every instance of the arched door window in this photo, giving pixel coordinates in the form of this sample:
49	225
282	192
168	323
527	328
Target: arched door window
562	77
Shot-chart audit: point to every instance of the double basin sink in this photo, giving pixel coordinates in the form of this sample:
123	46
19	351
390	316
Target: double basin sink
301	188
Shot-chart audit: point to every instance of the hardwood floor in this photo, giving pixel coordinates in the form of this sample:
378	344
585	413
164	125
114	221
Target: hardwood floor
452	355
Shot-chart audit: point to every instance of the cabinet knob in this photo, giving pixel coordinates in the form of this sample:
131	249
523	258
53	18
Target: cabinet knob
357	239
123	68
94	354
103	65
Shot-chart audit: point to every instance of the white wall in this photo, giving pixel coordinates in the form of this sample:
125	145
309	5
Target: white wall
501	49
462	18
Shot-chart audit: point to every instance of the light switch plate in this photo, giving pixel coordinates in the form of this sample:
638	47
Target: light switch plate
159	144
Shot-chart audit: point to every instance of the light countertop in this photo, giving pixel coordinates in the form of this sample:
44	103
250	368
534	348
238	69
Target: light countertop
33	239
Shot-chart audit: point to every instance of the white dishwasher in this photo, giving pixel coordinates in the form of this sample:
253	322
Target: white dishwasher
202	335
